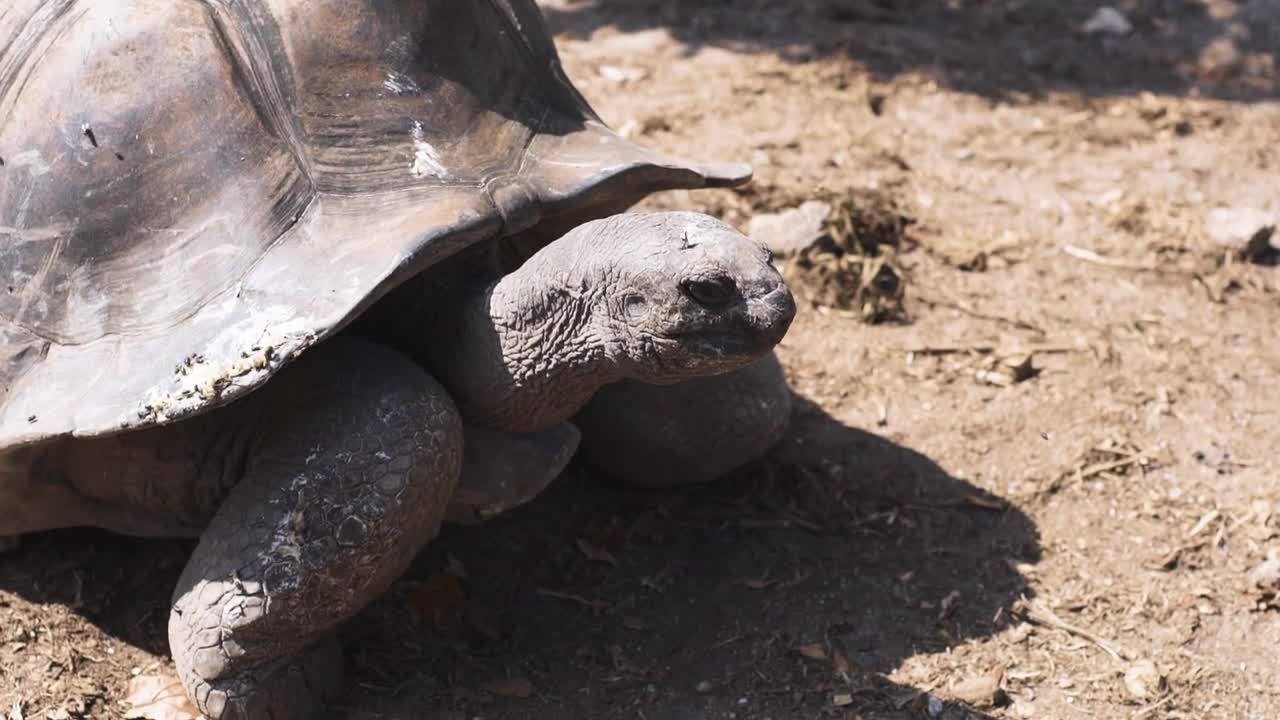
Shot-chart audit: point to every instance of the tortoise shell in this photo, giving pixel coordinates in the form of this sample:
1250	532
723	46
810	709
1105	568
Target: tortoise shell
193	192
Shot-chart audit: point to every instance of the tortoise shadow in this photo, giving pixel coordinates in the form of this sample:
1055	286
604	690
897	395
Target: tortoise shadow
120	584
690	603
993	49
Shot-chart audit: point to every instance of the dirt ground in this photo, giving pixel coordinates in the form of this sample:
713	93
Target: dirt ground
944	533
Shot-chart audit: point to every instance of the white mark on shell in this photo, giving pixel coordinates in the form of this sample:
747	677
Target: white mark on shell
200	380
400	84
426	159
689	233
31	160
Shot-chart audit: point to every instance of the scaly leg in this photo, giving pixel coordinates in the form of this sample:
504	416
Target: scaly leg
357	453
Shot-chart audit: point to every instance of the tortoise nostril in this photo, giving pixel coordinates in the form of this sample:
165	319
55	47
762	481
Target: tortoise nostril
717	290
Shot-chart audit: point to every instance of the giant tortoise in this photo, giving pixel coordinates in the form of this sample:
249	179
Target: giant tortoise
282	275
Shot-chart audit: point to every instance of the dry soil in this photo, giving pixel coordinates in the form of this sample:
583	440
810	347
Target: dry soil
947	531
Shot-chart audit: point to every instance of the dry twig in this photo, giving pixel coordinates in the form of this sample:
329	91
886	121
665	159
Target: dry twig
1099	468
1036	613
987	349
954	304
593	604
1090	256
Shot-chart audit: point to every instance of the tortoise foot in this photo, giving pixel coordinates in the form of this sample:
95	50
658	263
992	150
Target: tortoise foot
692	432
9	543
300	686
501	470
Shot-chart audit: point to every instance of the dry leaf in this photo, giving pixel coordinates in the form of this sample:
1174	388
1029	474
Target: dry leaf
438	598
1007	370
159	697
840	664
842	699
593	551
813	651
948	604
980	692
510	687
757	583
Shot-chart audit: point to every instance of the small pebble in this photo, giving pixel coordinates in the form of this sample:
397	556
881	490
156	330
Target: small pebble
1234	227
791	231
1266	577
1108	21
1143	680
703	687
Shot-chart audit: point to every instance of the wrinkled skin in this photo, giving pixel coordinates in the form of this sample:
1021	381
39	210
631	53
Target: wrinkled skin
622	326
313	494
658	298
652	436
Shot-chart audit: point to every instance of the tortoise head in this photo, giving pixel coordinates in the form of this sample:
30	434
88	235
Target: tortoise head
684	295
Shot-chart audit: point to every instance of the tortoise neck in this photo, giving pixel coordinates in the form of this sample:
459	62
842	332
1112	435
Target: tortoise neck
526	351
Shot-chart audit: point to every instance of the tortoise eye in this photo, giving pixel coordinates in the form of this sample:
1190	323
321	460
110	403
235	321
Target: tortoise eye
635	306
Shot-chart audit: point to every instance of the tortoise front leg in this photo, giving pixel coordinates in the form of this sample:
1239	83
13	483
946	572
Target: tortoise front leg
355	459
502	471
691	432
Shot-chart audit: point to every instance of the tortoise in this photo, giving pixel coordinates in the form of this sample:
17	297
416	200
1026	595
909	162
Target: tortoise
304	281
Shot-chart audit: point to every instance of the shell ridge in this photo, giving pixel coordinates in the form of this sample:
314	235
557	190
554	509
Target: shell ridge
22	50
259	76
